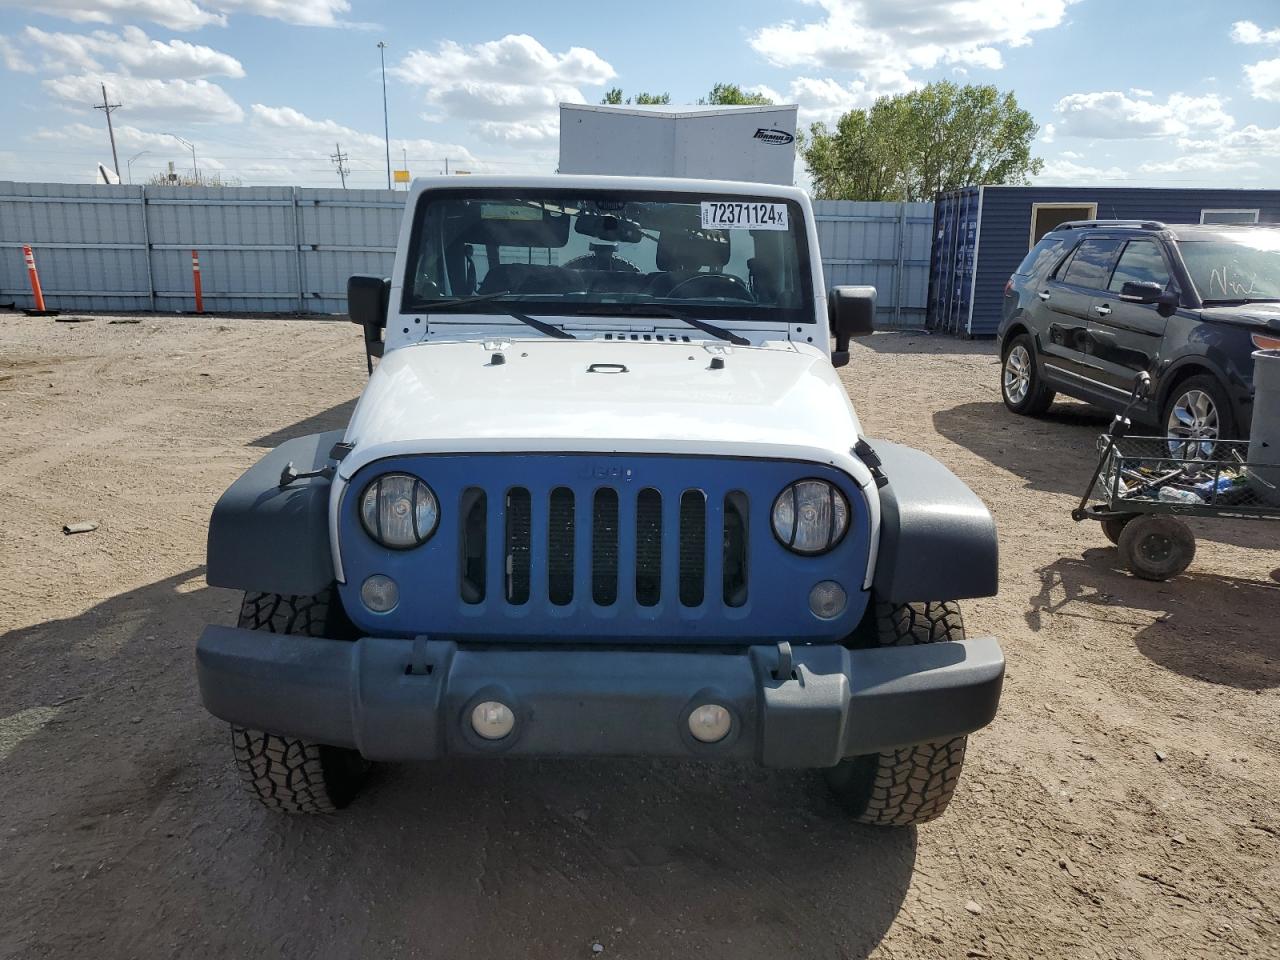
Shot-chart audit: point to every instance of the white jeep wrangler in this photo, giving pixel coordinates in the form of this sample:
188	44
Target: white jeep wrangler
604	494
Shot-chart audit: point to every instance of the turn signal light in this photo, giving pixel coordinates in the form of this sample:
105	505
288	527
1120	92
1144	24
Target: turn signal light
1266	343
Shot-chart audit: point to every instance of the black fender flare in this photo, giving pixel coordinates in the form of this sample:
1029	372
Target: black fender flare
267	539
937	538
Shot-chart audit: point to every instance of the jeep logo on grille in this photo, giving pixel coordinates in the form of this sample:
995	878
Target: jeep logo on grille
606	471
774	136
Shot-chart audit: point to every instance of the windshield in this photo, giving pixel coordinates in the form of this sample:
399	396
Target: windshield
608	254
1243	268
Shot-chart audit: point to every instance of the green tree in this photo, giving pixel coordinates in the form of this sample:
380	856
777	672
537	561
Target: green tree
732	95
912	146
614	96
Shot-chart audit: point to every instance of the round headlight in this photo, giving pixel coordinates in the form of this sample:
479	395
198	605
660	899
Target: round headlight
810	516
399	511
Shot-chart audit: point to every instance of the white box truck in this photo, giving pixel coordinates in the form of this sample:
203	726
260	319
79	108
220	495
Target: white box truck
711	143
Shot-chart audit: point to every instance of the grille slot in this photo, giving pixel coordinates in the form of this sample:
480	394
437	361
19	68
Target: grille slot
734	572
473	508
519	531
693	547
648	547
604	547
560	547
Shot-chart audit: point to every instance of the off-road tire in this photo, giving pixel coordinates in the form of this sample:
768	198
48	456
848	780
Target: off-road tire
288	774
913	784
1156	547
1039	396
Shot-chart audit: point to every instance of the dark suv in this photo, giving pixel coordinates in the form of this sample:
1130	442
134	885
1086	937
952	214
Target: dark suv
1097	302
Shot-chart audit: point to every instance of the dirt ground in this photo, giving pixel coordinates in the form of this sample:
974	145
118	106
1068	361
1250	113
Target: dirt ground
1123	804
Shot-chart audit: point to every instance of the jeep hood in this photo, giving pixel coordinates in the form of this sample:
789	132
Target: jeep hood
780	400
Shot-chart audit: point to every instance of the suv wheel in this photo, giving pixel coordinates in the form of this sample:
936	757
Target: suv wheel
913	784
288	774
1196	416
1020	384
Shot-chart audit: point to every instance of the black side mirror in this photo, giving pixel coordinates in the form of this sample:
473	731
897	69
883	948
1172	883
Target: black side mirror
1144	291
851	312
367	301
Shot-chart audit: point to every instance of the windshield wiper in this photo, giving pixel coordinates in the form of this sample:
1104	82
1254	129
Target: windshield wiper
551	330
1229	301
720	333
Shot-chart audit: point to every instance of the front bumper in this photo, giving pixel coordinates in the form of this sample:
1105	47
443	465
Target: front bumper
395	699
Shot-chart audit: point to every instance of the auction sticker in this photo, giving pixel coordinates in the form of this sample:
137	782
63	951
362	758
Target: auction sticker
743	215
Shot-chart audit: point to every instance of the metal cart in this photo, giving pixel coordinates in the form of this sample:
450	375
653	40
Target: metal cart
1142	486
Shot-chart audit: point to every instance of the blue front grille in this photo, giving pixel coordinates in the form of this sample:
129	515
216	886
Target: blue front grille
604	548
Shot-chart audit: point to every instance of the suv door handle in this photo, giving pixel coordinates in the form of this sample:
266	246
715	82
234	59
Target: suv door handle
1102	310
1043	294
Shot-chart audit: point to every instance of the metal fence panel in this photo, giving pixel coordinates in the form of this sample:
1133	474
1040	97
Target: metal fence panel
885	245
290	250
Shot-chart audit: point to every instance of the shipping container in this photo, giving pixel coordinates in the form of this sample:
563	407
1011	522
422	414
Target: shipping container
981	234
712	143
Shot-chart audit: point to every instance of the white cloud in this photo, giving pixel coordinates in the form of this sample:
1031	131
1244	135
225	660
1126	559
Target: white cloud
291	132
1140	92
180	101
132	52
1196	163
1048	132
174	14
1069	172
13	57
1264	80
1111	115
304	13
826	100
188	14
1072	155
1246	31
508	90
878	38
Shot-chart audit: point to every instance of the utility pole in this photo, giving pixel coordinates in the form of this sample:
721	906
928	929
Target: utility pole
339	160
386	130
106	106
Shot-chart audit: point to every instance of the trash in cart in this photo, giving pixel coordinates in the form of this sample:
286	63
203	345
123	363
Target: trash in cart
1143	485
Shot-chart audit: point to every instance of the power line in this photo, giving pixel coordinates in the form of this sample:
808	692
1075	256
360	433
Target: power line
339	160
107	107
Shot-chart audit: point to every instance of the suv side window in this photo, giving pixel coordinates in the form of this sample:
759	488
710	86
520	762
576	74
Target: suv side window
1041	255
1091	265
1140	263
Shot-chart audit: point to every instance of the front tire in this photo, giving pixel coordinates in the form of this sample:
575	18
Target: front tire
913	784
1023	389
289	774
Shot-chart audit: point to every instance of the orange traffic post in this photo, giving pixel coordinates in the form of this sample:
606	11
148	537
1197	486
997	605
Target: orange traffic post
36	292
195	279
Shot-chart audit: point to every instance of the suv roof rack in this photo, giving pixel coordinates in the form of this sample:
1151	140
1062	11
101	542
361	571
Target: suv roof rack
1133	224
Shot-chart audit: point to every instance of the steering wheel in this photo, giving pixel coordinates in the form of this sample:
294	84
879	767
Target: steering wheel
718	284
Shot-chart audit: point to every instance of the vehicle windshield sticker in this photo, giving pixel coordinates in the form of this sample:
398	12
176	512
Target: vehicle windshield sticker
509	211
741	215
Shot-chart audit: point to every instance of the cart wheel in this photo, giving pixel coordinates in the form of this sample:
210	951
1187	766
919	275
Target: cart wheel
1112	527
1156	547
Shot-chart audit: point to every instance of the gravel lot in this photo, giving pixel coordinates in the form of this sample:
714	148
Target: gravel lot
1123	804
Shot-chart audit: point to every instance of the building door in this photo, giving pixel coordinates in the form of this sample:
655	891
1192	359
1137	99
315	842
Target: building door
1046	216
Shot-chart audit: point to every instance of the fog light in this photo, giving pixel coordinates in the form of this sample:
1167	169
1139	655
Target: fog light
827	600
492	720
710	722
380	594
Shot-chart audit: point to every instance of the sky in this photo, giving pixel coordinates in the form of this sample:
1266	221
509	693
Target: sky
1141	92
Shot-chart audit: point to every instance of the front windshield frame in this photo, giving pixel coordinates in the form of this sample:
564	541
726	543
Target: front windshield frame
1209	288
650	308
